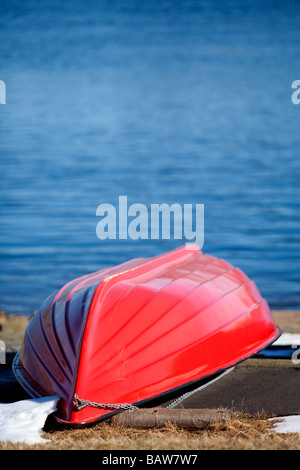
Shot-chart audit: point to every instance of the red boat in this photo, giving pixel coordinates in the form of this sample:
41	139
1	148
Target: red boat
142	332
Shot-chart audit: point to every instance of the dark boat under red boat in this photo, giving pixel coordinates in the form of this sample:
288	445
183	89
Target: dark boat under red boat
142	332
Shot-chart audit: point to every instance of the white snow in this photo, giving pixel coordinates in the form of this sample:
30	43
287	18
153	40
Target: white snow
287	339
287	424
23	421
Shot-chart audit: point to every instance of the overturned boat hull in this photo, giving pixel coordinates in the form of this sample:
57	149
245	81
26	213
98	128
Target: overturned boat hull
141	331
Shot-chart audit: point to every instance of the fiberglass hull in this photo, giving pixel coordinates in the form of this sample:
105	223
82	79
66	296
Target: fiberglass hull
140	331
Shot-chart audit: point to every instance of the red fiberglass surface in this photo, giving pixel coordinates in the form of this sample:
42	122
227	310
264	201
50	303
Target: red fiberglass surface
151	327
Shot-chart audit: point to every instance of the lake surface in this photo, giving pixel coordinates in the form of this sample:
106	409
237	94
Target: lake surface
161	101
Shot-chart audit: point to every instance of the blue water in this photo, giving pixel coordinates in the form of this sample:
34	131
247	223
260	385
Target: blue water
162	101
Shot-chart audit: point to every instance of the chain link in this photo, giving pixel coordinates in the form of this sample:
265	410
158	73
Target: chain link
202	387
80	404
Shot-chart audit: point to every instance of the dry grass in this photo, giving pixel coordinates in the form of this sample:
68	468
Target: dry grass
241	433
12	329
288	320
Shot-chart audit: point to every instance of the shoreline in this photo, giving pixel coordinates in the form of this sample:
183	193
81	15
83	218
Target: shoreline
12	326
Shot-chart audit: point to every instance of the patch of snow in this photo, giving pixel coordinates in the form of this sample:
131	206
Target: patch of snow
287	424
287	339
23	421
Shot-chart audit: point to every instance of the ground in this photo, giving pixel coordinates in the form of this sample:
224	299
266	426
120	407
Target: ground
256	390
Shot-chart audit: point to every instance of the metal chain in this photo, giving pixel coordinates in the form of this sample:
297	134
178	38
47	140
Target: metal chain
79	404
188	394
